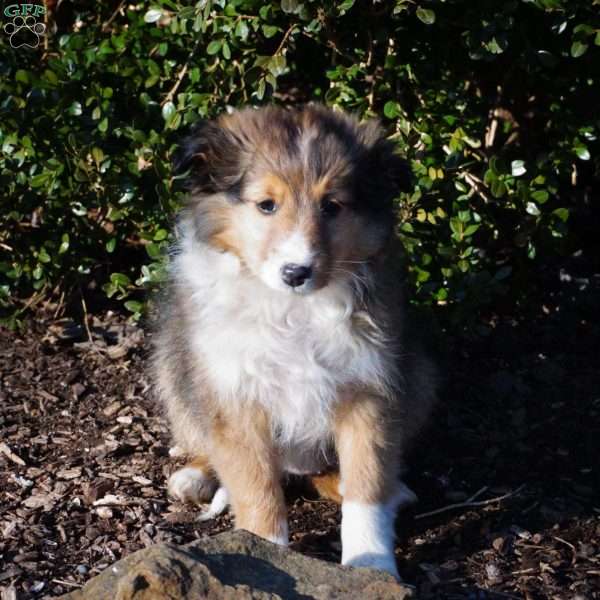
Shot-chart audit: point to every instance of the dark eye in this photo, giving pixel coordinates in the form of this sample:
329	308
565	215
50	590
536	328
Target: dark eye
267	206
329	208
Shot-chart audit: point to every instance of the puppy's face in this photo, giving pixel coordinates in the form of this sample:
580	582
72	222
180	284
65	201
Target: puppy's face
300	197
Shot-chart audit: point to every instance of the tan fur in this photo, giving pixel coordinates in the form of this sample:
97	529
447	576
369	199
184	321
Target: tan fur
202	463
253	478
328	485
366	448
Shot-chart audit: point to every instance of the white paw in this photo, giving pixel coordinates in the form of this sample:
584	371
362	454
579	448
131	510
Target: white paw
218	506
191	485
381	562
368	535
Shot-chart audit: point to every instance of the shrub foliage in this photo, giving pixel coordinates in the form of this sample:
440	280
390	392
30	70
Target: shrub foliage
494	103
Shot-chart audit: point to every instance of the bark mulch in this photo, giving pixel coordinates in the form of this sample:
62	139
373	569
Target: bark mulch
507	474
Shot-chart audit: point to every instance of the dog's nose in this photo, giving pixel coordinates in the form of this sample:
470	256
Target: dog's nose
295	275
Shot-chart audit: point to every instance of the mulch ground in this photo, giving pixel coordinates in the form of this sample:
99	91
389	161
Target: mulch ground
507	474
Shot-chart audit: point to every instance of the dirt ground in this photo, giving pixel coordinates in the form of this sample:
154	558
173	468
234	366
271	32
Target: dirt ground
514	446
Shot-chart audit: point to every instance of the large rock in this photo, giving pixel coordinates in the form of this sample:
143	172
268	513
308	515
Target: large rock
234	565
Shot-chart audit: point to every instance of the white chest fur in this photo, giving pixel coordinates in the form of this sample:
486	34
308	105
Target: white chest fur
291	354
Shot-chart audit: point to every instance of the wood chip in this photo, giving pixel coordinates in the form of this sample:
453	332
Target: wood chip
45	501
11	455
111	500
141	480
112	408
69	473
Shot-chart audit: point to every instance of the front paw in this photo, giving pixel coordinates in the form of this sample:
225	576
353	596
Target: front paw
368	535
382	562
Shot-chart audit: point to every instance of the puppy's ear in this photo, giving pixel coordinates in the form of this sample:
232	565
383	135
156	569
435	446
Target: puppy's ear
392	167
388	172
211	154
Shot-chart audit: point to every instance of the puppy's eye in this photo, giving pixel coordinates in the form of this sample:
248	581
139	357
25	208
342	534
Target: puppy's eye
267	206
329	208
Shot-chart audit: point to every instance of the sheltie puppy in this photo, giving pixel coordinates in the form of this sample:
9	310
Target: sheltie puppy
280	345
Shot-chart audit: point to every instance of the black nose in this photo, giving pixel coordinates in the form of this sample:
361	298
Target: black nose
295	275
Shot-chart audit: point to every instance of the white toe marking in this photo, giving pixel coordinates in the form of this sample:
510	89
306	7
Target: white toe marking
190	485
368	535
218	506
176	451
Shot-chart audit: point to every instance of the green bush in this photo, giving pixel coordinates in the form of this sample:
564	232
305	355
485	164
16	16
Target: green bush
495	104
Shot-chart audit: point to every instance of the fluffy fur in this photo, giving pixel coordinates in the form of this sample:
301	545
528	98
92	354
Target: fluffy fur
261	376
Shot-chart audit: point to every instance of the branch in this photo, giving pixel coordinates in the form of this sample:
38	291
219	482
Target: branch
469	503
286	35
181	74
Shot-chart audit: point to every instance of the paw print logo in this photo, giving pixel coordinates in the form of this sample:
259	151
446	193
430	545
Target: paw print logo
24	31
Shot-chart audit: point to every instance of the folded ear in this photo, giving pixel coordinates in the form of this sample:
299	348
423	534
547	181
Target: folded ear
393	166
211	154
387	171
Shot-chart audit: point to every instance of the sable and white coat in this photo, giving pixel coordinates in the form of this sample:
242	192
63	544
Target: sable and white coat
262	374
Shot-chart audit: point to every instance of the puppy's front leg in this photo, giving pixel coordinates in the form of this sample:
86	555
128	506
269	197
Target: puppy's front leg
243	456
368	468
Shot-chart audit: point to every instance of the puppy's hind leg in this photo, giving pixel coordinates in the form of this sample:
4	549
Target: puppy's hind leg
328	486
195	483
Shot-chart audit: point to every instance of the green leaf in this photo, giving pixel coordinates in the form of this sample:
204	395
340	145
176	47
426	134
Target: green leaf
22	76
110	245
64	244
226	50
457	227
214	47
269	30
120	279
345	6
134	306
391	109
153	15
578	49
498	188
517	168
290	6
426	15
540	196
277	65
153	251
597	38
103	125
51	77
242	30
168	110
562	214
471	229
532	209
40	179
75	109
97	155
582	152
43	256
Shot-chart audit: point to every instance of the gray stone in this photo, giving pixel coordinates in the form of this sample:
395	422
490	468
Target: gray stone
234	565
